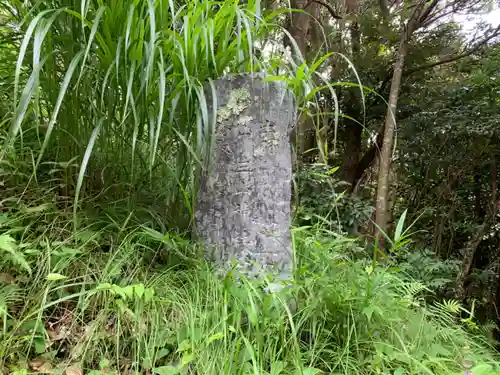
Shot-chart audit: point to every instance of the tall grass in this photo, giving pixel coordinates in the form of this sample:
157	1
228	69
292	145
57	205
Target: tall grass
109	300
114	89
107	98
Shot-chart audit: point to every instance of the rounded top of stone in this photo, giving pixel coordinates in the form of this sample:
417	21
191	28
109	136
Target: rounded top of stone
249	76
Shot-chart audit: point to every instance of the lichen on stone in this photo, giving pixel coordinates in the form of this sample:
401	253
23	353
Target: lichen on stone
239	100
244	120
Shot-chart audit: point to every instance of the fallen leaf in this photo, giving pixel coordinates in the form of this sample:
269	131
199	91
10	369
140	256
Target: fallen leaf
74	370
36	363
60	369
46	368
7	278
58	334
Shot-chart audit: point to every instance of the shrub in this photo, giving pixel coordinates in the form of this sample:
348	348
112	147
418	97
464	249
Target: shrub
323	199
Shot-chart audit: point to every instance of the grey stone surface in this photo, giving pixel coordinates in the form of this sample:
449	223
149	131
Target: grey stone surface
243	205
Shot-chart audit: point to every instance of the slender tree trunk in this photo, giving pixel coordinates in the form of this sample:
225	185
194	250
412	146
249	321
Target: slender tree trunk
494	297
368	158
382	206
353	128
381	212
477	195
452	231
352	153
298	27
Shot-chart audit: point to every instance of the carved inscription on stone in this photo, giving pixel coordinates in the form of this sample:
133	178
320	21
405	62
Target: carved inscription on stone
243	204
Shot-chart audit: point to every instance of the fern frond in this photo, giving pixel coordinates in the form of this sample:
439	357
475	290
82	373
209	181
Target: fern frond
414	288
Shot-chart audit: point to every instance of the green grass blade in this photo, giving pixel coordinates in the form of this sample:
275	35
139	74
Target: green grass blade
22	50
93	31
64	88
83	168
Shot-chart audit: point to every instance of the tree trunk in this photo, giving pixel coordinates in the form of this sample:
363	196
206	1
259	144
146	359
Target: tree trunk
381	209
472	245
298	25
243	205
369	157
477	195
451	219
353	128
494	295
381	212
352	152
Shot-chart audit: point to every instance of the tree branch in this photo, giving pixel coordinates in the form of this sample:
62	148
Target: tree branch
435	17
447	60
456	57
327	6
369	156
427	11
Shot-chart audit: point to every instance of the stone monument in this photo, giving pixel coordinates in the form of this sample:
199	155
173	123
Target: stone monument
242	212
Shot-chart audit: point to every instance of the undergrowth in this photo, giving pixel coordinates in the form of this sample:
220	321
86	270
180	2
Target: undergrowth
93	277
119	297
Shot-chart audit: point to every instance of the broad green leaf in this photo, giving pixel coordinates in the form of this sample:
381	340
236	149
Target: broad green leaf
162	353
149	294
368	311
7	243
399	227
320	61
187	358
139	290
24	46
277	367
308	371
184	345
104	286
153	234
483	369
118	290
39	346
301	229
128	291
103	363
166	370
333	170
161	100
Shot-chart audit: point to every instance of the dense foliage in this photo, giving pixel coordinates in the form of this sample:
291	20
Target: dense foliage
103	127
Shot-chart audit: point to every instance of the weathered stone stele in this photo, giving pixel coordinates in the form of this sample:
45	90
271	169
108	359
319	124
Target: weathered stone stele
243	204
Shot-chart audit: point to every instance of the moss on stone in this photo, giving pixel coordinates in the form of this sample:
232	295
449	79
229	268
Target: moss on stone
239	99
